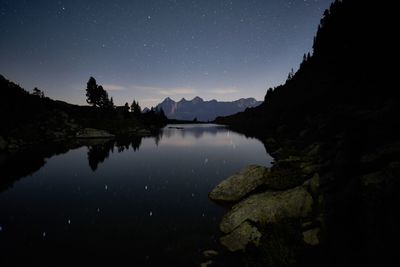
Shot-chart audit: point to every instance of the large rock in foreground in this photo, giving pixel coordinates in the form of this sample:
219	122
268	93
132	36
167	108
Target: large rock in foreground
242	236
269	207
93	133
240	184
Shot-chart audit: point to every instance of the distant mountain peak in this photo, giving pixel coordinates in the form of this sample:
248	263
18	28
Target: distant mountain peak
204	110
197	100
167	99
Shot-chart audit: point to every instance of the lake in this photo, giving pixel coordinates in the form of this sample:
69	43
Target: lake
142	200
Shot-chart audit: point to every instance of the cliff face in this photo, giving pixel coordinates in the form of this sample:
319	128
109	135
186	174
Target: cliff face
342	101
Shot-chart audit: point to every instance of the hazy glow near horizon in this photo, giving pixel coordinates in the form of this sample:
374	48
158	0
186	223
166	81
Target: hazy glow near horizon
148	50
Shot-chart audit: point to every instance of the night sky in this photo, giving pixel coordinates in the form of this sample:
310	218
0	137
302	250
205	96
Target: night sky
152	49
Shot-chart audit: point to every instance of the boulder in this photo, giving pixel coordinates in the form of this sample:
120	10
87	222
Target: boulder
240	184
313	184
309	168
242	236
285	174
269	207
138	131
383	153
313	150
206	264
375	178
209	253
93	133
3	143
311	237
143	132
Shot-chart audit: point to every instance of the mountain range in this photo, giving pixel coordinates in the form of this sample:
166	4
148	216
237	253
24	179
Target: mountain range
202	110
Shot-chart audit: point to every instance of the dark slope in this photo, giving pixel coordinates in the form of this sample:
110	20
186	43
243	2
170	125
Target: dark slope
347	72
343	100
27	119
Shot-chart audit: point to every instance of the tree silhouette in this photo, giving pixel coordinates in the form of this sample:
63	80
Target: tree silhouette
126	110
98	153
103	101
135	108
97	96
111	104
290	75
93	93
161	113
38	92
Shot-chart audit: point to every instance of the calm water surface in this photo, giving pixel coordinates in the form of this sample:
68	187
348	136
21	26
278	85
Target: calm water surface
145	201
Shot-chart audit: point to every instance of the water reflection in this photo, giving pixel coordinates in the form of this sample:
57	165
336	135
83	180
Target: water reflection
101	149
99	152
13	166
20	164
141	199
194	130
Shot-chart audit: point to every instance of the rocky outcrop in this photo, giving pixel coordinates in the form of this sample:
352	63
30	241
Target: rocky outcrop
138	131
240	184
241	237
210	253
311	237
93	133
248	221
269	207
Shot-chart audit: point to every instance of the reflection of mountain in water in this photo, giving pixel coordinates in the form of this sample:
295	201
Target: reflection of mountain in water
16	165
196	130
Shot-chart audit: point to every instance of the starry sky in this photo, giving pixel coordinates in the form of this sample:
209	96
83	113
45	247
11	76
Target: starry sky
150	49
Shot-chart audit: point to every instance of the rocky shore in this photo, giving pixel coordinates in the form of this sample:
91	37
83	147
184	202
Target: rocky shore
271	206
68	132
313	205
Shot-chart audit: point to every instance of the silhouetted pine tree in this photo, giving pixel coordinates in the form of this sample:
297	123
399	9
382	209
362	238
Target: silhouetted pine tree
97	96
135	108
38	92
93	94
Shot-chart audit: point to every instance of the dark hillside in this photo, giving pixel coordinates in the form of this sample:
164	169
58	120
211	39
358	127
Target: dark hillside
31	118
345	74
343	106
